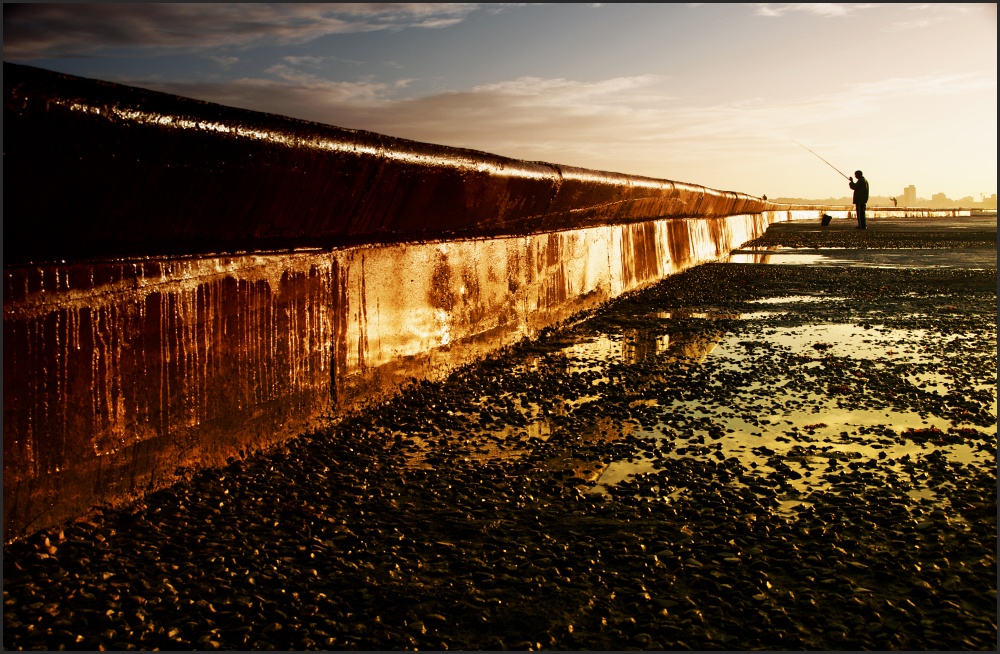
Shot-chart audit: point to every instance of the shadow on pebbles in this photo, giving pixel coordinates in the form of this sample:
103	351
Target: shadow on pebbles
741	457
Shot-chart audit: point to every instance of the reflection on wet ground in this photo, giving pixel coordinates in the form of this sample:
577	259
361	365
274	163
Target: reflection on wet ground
806	434
975	259
739	457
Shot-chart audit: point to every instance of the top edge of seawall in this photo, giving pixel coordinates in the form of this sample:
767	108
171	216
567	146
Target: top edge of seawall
98	169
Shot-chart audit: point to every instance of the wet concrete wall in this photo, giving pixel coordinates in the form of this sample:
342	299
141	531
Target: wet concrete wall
118	373
185	282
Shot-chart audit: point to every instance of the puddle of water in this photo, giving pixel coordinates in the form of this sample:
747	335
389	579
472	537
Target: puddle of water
840	340
682	314
800	432
634	346
771	257
837	436
809	431
674	315
792	299
970	258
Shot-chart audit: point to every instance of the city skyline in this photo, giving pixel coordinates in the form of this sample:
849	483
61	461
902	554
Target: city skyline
909	198
718	95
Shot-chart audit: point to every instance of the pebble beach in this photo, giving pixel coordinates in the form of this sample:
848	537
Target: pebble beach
794	448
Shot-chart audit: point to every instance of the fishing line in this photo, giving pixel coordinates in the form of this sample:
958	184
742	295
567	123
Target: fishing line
847	177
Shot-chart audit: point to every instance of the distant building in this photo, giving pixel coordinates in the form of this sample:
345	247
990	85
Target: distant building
910	196
940	200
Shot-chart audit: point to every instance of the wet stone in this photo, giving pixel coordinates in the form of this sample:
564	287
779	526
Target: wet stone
636	480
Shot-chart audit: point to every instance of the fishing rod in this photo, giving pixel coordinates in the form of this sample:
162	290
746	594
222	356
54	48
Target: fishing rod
848	178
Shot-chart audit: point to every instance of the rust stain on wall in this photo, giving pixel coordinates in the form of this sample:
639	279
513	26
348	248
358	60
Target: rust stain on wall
118	373
440	294
130	357
339	307
160	344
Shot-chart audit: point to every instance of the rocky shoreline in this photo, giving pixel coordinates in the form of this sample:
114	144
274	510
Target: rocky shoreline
742	457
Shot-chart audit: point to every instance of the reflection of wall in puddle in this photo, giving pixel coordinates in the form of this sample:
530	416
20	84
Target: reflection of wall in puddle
750	257
634	346
116	373
639	345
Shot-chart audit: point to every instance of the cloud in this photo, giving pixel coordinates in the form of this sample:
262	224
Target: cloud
823	9
304	61
292	94
537	115
917	24
35	31
317	62
935	14
225	62
562	92
632	124
946	84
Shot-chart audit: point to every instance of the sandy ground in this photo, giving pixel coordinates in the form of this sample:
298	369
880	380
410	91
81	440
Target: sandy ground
797	454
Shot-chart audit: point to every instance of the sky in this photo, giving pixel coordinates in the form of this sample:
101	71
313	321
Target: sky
719	95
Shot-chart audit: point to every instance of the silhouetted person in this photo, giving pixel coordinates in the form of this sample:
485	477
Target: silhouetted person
763	197
860	196
894	202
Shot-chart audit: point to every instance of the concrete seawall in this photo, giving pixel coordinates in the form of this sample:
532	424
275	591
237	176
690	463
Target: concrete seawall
116	373
185	282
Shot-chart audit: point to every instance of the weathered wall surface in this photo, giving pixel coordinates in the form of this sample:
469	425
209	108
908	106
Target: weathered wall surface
184	281
118	373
